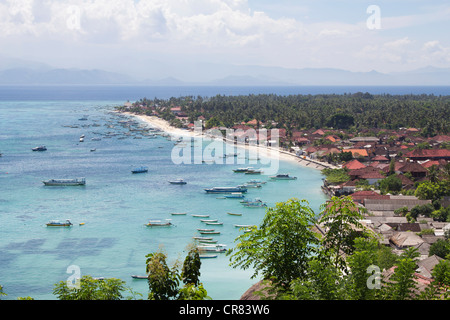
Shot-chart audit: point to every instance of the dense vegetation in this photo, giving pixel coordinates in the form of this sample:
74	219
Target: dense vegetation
296	112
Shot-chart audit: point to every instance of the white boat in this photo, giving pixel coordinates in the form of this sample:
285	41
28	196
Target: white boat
159	223
235	195
283	176
253	181
244	225
178	213
212	248
209	220
226	189
254	171
65	182
234	214
203	238
209	232
177	181
207	256
242	169
200	215
214	223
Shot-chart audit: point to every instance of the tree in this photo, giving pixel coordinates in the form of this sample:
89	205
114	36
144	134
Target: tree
432	190
162	280
441	248
341	219
390	184
402	285
282	246
441	272
91	289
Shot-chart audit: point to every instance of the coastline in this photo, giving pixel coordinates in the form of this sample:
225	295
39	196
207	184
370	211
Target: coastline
273	153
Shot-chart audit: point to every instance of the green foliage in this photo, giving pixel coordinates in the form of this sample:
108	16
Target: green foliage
281	248
164	282
433	190
91	289
341	218
341	121
441	248
336	176
390	184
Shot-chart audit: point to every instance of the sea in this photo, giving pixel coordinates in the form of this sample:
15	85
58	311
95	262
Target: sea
109	238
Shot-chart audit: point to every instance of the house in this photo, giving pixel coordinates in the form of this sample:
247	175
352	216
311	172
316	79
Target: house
380	158
361	196
428	154
426	266
371	174
353	165
415	169
405	239
393	203
356	153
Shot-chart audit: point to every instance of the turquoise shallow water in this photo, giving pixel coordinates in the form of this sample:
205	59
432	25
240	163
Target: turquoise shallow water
115	204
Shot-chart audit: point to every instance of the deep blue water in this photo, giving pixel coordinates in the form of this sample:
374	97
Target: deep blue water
115	204
132	93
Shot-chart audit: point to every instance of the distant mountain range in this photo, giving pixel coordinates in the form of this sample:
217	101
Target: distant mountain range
230	76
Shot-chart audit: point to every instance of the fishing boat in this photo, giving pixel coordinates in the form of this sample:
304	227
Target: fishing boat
205	230
283	176
226	189
201	215
40	148
254	171
159	223
209	232
214	223
234	214
203	238
238	170
235	195
57	223
177	181
139	277
207	241
140	170
209	220
212	248
65	182
178	213
207	256
244	225
253	181
255	204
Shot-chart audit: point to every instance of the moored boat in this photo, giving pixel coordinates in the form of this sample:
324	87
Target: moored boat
140	170
283	176
40	148
234	214
65	182
209	232
226	189
207	256
57	223
242	169
178	213
212	248
235	195
201	215
159	223
177	181
254	171
139	277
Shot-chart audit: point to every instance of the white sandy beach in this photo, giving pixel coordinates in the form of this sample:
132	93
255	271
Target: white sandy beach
273	153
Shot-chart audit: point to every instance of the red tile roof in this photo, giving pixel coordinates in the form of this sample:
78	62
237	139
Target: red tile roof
353	164
429	153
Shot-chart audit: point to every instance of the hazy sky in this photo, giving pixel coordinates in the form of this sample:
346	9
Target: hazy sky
120	35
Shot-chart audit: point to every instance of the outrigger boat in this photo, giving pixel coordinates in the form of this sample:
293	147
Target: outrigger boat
178	181
140	170
214	223
40	148
159	223
234	214
201	215
207	256
57	223
283	176
209	232
65	182
139	277
212	248
178	213
235	195
202	238
208	220
226	189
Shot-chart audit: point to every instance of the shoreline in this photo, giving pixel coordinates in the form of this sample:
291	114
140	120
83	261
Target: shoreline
269	152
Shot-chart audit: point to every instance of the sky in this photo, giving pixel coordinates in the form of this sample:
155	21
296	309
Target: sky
145	36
